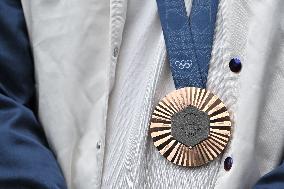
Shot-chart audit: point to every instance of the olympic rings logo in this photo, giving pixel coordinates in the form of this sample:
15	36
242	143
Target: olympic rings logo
183	64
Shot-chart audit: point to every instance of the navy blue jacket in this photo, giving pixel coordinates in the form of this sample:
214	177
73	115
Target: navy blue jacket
272	180
26	162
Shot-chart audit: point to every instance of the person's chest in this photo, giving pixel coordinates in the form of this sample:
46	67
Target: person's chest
87	53
143	77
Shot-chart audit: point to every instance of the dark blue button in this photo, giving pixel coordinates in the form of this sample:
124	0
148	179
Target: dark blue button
235	65
228	163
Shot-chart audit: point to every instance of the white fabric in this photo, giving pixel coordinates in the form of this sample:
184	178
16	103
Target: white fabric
95	106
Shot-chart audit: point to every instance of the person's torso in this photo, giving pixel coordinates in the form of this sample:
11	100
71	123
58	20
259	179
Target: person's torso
101	68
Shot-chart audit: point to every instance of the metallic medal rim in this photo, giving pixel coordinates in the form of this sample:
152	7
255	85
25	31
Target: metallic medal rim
208	149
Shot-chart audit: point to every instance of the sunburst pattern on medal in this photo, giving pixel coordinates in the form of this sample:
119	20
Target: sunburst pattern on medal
206	150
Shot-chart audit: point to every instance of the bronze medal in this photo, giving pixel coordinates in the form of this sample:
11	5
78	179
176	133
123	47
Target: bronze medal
190	126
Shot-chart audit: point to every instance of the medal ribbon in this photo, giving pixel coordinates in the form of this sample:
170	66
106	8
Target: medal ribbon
188	39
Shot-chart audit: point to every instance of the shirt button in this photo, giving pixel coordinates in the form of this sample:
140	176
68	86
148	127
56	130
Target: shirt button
228	163
235	65
99	145
115	52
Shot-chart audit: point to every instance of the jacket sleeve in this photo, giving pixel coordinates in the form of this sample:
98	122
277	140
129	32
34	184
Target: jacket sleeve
272	180
25	159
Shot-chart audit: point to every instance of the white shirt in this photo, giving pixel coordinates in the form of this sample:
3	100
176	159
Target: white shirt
101	68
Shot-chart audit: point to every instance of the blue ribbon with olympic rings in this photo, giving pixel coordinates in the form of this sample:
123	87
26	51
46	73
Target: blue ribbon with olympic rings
188	39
